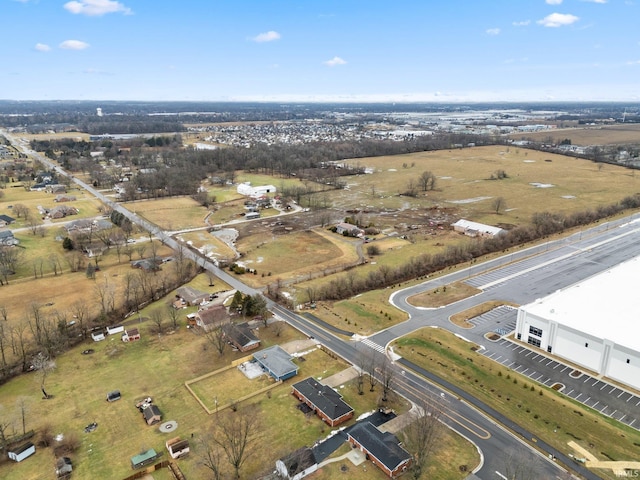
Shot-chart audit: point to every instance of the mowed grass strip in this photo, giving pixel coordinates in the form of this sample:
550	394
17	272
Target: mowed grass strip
550	416
445	295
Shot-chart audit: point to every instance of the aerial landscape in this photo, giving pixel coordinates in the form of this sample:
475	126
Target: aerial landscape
285	240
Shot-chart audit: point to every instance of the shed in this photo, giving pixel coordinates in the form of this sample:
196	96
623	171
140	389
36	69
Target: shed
131	335
177	447
97	336
475	229
143	459
113	395
64	467
276	362
152	415
297	465
23	451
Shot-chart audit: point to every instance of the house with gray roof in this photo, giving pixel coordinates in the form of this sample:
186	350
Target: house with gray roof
241	336
6	220
324	401
382	448
7	238
276	362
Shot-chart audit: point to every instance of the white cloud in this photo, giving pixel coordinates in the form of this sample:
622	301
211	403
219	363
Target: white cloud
96	8
635	62
42	47
596	1
523	23
553	2
335	61
74	45
269	36
558	20
493	31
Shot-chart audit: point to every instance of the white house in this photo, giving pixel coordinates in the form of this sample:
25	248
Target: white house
592	324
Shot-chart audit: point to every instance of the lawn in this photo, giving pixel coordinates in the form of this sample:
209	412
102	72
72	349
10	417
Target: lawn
171	214
585	135
544	412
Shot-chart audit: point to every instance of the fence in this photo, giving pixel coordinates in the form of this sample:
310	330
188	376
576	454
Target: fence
151	469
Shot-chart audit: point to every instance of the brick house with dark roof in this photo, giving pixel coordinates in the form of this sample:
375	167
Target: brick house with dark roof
382	448
241	336
323	400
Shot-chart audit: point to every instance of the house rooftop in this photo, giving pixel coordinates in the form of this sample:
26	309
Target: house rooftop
240	334
325	398
276	360
384	446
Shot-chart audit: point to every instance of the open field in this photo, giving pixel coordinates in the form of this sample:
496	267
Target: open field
588	135
544	412
77	136
173	213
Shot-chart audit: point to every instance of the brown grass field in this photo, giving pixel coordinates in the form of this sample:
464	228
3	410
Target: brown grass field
589	135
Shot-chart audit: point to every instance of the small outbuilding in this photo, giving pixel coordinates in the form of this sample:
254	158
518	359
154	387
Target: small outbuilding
143	459
64	467
177	447
23	451
131	335
297	465
152	415
113	395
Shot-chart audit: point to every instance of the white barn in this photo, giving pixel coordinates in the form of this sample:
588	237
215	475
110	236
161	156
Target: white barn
475	229
593	324
247	190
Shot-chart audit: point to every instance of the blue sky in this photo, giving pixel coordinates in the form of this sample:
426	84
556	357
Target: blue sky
320	50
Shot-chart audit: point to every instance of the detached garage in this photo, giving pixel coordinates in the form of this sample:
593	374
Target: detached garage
593	324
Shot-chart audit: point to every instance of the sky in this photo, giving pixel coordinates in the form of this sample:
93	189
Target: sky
320	50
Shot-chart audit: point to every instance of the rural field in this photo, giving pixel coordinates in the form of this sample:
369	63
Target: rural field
588	135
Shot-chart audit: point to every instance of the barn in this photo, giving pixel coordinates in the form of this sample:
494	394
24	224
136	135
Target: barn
592	324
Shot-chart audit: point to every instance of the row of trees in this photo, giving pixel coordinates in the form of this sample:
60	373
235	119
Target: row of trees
542	224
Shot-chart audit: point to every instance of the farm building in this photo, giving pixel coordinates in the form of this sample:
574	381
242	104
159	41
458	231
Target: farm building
23	451
6	220
349	229
579	325
211	317
177	448
241	336
247	190
152	415
143	459
297	465
276	362
192	296
475	229
382	448
131	335
324	401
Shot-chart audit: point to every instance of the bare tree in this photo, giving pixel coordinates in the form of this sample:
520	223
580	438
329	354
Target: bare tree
238	434
216	337
427	181
20	342
277	327
4	339
10	260
157	318
499	204
23	405
422	434
80	313
210	455
43	365
518	468
173	315
386	377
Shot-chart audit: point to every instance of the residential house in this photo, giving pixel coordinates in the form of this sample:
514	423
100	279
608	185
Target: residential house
23	451
62	211
131	335
324	401
192	296
6	220
349	229
240	336
297	465
276	362
56	188
382	448
7	238
147	264
475	229
211	317
152	415
64	198
177	448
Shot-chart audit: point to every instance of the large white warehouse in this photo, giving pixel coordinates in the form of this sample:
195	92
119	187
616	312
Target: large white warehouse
594	324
